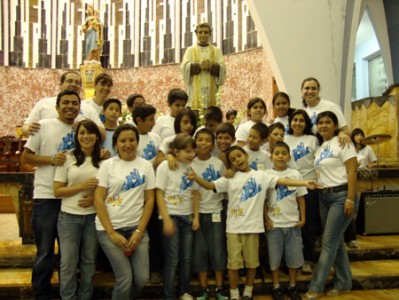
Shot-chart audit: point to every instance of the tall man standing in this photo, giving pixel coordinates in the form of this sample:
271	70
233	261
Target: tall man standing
203	70
46	150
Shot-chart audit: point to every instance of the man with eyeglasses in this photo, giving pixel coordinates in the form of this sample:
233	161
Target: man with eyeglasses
46	107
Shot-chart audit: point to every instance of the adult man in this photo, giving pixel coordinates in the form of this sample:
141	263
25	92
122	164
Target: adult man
46	150
203	70
45	108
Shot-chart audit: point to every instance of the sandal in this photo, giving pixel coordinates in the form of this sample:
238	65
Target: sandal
310	295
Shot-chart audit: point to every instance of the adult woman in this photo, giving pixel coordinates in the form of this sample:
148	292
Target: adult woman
282	108
337	169
314	105
94	36
124	200
303	146
256	109
75	182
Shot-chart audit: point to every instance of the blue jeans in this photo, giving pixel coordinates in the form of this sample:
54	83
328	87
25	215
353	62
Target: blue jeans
131	272
44	224
333	251
78	242
177	249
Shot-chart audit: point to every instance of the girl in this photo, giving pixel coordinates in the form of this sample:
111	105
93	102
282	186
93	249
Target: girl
281	106
365	154
303	146
256	111
336	168
124	200
177	200
75	182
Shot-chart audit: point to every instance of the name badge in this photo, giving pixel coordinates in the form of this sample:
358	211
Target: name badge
216	218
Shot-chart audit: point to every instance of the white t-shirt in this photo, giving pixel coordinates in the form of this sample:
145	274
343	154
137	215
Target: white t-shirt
329	163
164	126
165	145
148	146
284	121
45	109
282	205
325	105
107	144
246	194
242	131
177	188
258	160
96	107
365	156
71	174
54	136
126	182
303	149
210	170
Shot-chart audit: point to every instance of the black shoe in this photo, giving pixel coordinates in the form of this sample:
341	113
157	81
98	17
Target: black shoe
293	293
277	294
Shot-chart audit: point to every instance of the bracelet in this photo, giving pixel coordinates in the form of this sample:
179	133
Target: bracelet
349	201
52	158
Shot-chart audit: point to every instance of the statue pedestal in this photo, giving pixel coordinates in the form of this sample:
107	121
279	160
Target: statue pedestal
89	73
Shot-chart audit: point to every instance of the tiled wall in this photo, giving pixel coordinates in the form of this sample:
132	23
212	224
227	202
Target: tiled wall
249	75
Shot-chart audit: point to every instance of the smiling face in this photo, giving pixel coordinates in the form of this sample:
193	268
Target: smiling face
281	106
68	108
239	160
204	145
102	89
185	155
310	92
71	82
326	128
224	140
257	112
280	157
126	145
86	139
298	125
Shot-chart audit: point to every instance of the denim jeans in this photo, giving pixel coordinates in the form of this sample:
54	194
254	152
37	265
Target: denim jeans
78	242
312	228
44	225
333	251
131	272
177	249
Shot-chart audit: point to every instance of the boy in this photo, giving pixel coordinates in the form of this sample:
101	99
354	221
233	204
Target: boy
213	117
225	137
112	110
133	100
246	193
285	216
256	138
164	126
210	239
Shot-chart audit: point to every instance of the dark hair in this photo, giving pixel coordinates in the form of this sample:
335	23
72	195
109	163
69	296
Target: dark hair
231	149
120	129
231	112
226	127
252	102
303	83
204	24
180	115
65	74
285	96
177	94
104	79
281	144
66	92
355	132
181	141
333	117
205	131
132	98
261	129
95	155
308	122
143	110
213	113
112	100
278	125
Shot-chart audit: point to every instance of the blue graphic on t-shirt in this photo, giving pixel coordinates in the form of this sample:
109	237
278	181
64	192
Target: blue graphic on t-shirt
149	151
282	192
134	179
300	151
67	142
249	190
254	165
313	118
185	182
326	153
102	118
210	174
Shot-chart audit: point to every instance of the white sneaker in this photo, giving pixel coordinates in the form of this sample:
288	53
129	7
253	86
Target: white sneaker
306	269
186	296
353	244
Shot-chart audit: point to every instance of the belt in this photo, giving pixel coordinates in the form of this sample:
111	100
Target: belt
335	189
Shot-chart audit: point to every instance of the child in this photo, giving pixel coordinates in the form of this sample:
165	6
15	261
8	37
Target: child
164	126
112	110
231	116
213	117
177	199
258	158
144	118
210	239
256	110
246	194
365	154
282	108
285	216
225	137
133	100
